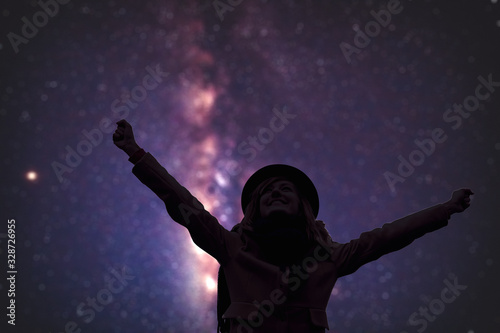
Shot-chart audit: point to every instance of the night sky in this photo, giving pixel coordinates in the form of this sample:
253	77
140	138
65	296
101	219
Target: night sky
386	113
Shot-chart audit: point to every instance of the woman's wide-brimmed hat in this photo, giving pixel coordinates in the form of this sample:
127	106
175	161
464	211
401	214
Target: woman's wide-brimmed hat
297	177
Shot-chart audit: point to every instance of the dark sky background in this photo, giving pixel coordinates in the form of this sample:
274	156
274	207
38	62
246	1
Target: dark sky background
82	218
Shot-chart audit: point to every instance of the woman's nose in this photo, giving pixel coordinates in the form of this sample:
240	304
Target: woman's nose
275	193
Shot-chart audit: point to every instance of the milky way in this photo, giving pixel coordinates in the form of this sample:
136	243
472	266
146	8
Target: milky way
387	114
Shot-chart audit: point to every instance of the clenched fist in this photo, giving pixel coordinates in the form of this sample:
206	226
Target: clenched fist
124	139
460	201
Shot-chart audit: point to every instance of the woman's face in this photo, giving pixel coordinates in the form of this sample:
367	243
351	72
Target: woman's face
279	199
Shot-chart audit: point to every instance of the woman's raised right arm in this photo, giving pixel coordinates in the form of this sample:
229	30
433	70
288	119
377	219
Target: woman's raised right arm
181	205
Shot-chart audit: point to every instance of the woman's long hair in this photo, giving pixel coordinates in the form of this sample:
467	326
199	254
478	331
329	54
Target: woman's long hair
315	231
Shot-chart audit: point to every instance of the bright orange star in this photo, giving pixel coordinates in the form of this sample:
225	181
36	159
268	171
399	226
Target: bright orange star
31	175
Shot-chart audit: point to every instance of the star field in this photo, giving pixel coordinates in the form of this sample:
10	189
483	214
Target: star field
214	94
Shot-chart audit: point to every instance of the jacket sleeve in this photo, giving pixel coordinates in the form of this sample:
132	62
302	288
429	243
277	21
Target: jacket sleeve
183	207
390	237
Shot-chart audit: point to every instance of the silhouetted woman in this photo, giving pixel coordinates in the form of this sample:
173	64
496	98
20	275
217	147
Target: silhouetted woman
279	265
